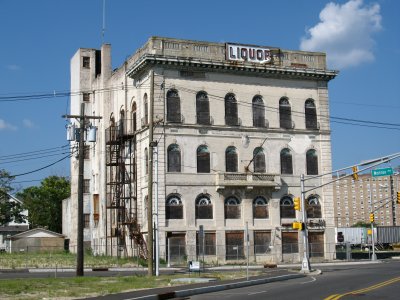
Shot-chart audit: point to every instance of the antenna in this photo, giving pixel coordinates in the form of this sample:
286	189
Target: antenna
104	22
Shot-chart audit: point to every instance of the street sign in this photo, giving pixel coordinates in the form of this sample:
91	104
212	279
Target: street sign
382	172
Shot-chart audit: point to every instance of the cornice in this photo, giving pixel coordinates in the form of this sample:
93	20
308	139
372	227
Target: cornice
267	70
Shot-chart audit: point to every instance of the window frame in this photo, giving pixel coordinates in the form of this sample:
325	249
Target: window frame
285	114
258	110
286	160
174	158
204	161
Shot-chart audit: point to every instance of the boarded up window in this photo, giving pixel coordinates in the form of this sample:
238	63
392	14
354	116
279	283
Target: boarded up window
231	159
311	115
202	109
313	207
174	208
85	61
177	246
234	241
173	107
285	114
203	160
86	186
96	209
232	208
204	207
316	244
258	112
86	152
286	162
209	246
231	111
290	242
260	208
262	241
287	208
86	220
174	158
312	162
259	160
86	97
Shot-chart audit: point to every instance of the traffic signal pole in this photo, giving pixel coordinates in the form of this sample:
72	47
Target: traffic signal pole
305	265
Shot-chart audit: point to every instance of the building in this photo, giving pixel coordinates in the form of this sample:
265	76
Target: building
12	228
353	202
234	128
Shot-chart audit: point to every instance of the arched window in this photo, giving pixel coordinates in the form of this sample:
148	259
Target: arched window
146	161
313	207
260	208
285	114
174	207
145	121
231	159
133	117
231	111
232	208
312	162
173	107
259	160
287	208
202	109
204	207
174	158
286	162
258	112
203	159
310	114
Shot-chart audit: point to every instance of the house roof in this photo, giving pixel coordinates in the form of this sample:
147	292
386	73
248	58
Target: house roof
37	233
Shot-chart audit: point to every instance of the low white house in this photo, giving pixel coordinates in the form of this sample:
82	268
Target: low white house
10	229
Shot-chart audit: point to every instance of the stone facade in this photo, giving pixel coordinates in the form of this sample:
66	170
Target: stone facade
215	163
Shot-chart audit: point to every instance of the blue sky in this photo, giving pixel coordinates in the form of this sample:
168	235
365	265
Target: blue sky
39	38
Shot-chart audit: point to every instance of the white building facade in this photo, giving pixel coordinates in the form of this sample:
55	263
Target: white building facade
234	128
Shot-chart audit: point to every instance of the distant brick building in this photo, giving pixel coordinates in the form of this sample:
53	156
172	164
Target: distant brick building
236	125
353	203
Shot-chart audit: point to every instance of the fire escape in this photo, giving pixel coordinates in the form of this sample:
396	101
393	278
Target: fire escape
122	228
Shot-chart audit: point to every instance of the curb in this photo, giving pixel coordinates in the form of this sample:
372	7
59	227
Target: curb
216	288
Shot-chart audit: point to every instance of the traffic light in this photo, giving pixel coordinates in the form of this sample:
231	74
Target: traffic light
371	217
296	201
355	174
398	197
298	225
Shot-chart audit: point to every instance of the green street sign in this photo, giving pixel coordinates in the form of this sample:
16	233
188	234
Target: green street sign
382	172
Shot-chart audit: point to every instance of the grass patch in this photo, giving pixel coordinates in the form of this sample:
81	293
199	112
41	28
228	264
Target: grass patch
69	288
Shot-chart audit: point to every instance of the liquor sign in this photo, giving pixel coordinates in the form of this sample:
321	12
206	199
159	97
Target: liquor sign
248	53
382	172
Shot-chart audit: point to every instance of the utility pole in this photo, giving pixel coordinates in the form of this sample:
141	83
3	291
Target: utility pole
150	246
305	265
79	250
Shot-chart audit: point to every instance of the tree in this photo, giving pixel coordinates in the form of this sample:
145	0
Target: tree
361	224
10	211
44	202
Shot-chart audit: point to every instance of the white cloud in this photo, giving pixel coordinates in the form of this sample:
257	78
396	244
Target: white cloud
6	126
28	123
345	33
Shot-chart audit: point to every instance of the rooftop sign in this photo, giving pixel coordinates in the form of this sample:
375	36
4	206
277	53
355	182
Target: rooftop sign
248	53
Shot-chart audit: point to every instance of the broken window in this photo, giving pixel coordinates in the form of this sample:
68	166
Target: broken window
203	159
258	112
202	109
286	162
174	158
231	159
173	107
311	114
285	114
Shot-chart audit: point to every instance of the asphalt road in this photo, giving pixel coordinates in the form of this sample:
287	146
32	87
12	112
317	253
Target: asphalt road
374	281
